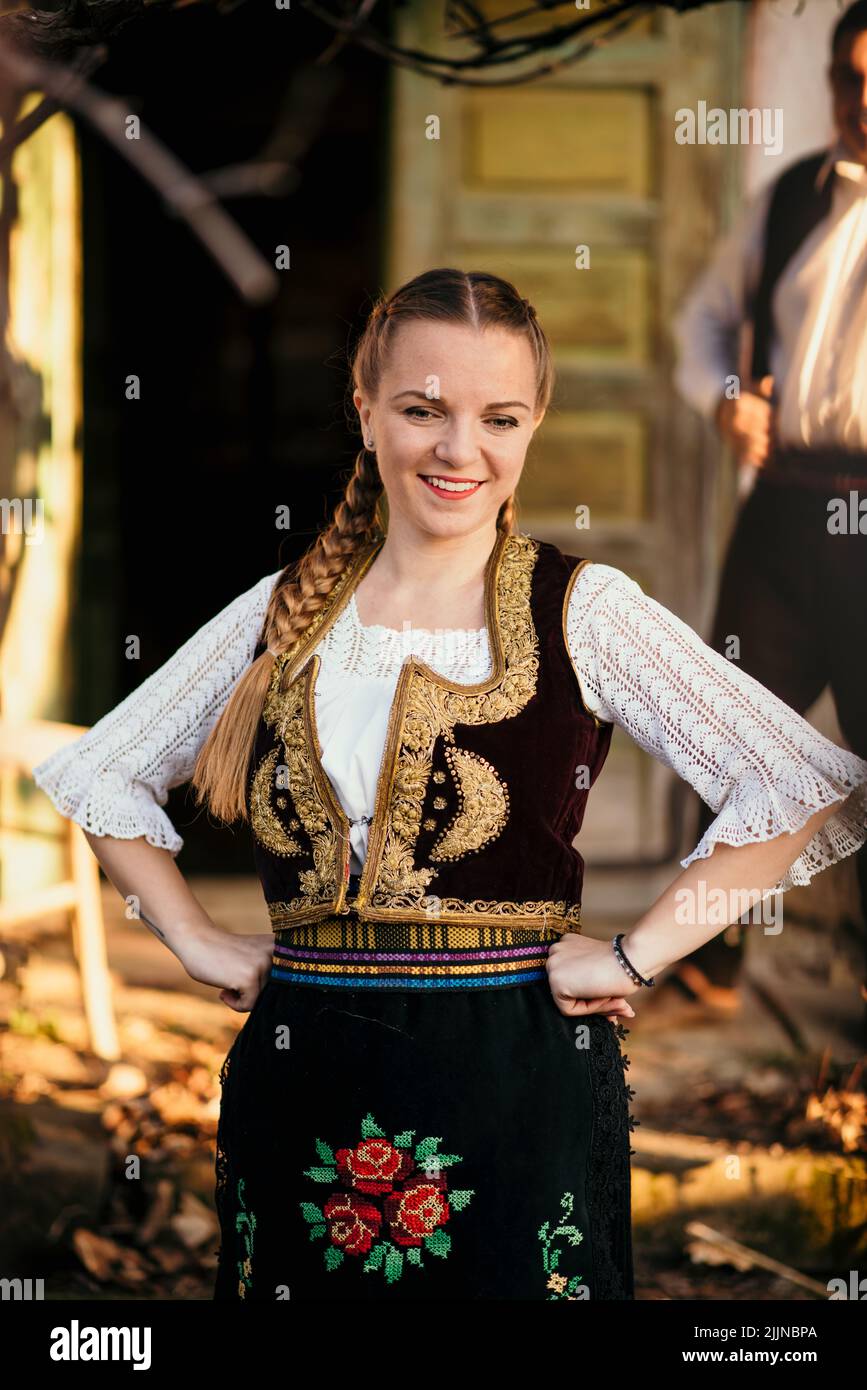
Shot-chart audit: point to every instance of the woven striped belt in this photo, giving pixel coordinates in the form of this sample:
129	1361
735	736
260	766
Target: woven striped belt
343	952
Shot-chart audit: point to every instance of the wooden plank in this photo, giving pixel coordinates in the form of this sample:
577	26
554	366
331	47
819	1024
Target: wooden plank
589	458
593	317
584	139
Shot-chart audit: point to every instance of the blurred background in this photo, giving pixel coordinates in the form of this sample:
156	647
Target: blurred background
159	509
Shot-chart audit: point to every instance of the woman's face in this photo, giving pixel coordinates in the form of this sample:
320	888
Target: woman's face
454	405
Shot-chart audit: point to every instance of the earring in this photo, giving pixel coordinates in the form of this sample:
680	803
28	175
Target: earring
368	443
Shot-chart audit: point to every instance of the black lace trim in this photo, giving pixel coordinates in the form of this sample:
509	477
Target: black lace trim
221	1171
608	1178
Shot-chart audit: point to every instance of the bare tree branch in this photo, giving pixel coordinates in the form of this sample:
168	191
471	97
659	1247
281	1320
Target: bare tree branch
184	194
86	63
77	23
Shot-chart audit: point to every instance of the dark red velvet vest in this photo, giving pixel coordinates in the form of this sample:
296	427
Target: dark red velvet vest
482	788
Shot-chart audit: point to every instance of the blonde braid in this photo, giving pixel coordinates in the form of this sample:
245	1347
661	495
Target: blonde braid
298	598
507	518
220	774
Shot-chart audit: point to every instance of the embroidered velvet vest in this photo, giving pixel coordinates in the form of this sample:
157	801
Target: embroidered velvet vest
481	790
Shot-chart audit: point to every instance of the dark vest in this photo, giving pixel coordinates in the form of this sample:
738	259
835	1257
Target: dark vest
481	790
796	207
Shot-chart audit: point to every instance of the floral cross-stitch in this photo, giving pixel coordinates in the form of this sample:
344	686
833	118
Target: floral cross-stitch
560	1286
245	1225
392	1201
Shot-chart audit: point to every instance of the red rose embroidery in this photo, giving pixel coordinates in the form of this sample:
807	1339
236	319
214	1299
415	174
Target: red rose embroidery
352	1222
374	1166
405	1206
415	1212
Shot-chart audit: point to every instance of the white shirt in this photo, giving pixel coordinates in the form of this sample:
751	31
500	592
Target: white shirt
756	762
818	355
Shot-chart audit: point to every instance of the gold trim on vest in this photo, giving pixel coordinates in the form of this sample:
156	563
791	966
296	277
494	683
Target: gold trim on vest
426	707
600	723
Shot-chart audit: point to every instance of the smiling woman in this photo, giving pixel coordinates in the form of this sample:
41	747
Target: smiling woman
427	1100
481	383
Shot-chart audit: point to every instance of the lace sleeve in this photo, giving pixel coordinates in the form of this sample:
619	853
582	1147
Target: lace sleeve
115	779
751	757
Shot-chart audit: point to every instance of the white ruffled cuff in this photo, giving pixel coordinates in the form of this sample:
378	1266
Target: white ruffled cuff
108	804
755	812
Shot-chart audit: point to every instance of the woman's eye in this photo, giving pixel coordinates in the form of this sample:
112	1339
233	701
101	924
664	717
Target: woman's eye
500	423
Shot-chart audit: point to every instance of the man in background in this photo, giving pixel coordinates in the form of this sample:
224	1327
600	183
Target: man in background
773	350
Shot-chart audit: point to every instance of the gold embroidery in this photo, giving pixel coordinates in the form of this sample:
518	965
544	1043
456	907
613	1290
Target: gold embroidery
561	915
427	706
600	723
508	922
290	715
483	806
293	658
265	823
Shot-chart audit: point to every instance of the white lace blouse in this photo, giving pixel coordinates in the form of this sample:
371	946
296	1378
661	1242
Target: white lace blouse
760	766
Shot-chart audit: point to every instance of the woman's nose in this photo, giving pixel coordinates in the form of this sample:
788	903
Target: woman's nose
458	447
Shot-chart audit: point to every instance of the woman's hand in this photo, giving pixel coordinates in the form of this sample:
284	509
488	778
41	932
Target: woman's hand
586	978
238	965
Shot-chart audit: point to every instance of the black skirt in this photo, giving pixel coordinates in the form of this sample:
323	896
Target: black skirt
406	1115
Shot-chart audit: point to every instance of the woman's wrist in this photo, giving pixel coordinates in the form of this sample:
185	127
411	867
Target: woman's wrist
642	952
181	933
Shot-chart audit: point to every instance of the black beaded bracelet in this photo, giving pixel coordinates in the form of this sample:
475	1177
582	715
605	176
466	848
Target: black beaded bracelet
627	965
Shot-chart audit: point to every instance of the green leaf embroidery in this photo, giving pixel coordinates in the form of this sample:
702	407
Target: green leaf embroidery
370	1129
393	1264
375	1258
439	1242
384	1255
458	1200
321	1174
245	1224
558	1284
425	1147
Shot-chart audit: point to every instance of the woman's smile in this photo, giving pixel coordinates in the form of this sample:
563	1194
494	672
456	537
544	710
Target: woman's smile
450	489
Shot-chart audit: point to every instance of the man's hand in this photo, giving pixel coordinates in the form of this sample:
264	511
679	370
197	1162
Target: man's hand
748	422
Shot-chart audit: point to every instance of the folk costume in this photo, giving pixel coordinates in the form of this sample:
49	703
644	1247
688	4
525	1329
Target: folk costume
406	1114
